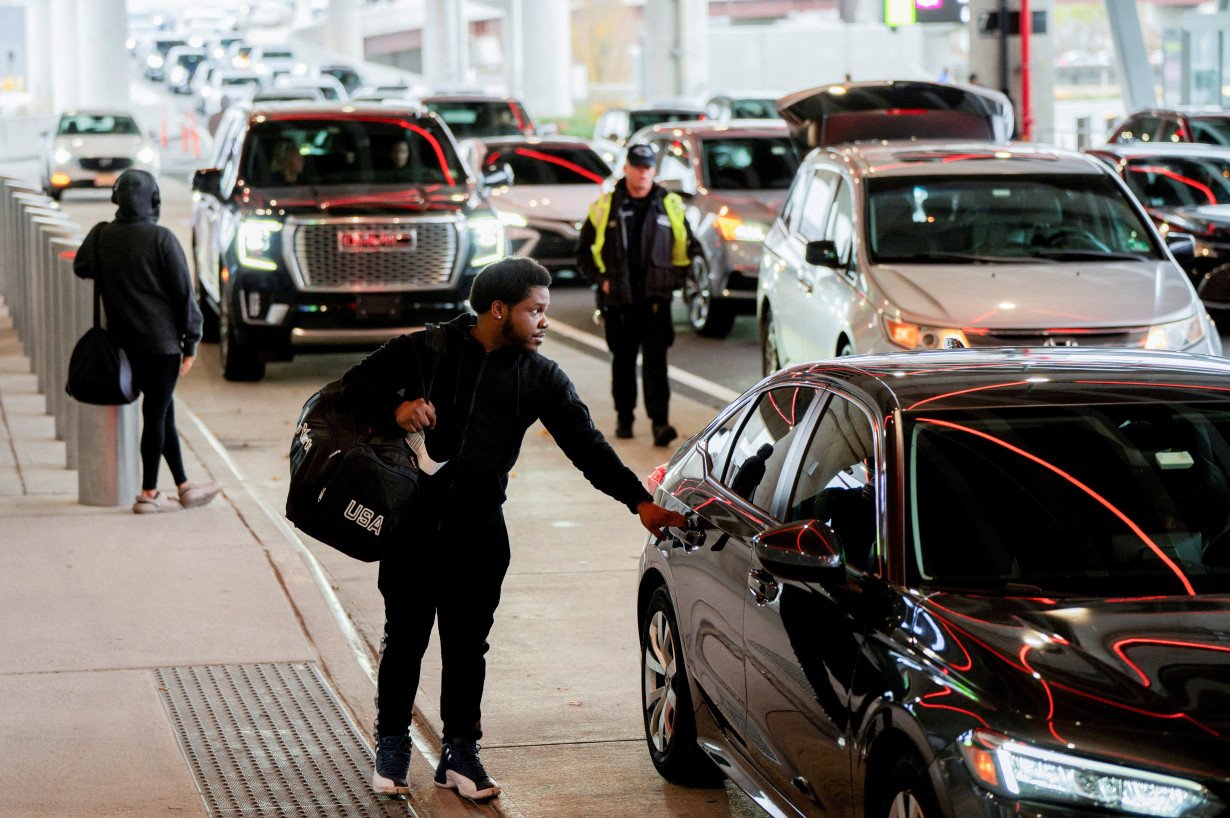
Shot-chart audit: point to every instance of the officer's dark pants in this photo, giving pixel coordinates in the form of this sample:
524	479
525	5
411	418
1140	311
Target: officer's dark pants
453	577
645	328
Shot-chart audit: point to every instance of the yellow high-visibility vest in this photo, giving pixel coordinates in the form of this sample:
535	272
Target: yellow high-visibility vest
600	214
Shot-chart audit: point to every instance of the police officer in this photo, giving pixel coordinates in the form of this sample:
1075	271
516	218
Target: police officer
636	248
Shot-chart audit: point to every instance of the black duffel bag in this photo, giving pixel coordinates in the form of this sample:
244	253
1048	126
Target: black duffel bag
99	371
351	485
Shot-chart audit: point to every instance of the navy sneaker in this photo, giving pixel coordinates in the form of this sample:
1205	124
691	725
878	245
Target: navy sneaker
460	769
392	766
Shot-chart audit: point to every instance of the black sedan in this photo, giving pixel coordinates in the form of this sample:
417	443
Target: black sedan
1185	189
958	583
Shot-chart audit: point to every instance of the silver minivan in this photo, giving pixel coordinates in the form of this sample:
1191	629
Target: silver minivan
890	245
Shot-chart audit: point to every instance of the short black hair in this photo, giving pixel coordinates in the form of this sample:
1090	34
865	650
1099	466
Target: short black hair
508	280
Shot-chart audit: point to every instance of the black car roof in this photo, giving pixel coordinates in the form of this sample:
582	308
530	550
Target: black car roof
1004	377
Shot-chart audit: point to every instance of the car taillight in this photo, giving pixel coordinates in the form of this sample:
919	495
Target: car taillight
656	477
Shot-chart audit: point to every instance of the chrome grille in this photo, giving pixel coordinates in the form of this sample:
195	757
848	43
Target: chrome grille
105	162
424	264
1059	338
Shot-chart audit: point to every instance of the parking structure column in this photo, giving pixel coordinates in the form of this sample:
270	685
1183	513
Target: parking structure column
103	68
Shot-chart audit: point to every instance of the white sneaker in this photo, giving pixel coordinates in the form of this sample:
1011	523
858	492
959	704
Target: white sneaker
153	505
198	494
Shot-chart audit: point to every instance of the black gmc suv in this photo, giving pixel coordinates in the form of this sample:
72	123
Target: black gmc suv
324	226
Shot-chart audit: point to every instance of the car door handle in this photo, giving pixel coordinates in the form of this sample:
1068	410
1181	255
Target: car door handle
805	279
763	586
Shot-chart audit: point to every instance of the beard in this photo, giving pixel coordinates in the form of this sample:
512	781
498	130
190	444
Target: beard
512	338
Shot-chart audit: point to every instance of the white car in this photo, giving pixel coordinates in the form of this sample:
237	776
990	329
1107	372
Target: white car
235	84
272	61
181	66
90	148
329	88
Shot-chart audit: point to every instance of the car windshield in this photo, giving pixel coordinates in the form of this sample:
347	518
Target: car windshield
1168	181
97	124
1004	217
190	60
277	55
548	165
1093	500
750	163
1214	130
346	151
232	82
482	118
753	109
643	119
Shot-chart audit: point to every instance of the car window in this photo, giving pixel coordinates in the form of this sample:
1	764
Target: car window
813	217
468	119
749	163
760	449
674	161
720	443
841	222
753	109
1210	130
836	480
1169	131
1166	181
350	151
537	164
643	119
950	219
1098	500
81	123
1137	129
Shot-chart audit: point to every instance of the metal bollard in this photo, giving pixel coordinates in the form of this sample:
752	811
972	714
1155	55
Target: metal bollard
8	219
42	229
81	317
1084	132
108	441
25	205
60	348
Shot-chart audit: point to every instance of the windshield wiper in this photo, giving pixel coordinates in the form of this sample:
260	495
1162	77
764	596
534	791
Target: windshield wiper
1089	255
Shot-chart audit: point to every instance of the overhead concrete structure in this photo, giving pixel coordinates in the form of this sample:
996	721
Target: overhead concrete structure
546	72
1131	56
675	56
342	32
104	66
446	44
66	57
41	53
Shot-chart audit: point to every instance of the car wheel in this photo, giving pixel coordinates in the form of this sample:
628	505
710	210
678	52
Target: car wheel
239	361
712	319
666	701
770	359
55	193
908	792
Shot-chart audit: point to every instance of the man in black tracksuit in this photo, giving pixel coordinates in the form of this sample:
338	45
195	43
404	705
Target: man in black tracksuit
636	248
486	385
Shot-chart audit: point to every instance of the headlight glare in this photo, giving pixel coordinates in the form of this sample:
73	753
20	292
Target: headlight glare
732	228
145	155
63	157
487	239
154	61
1016	769
256	243
1177	335
509	219
913	336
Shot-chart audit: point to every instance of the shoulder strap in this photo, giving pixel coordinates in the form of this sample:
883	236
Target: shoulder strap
97	276
437	340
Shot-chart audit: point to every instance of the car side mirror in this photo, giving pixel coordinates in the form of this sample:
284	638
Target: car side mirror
822	253
502	176
805	551
208	181
1183	247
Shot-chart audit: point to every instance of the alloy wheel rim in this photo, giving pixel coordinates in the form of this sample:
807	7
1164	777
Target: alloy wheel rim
658	686
905	805
697	294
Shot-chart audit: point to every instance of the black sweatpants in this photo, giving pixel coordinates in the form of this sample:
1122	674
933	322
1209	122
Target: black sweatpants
644	328
451	576
156	376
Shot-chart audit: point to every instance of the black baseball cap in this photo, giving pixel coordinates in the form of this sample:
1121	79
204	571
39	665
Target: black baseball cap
641	156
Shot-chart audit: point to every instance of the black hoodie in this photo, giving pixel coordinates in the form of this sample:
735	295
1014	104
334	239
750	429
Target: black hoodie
141	273
485	402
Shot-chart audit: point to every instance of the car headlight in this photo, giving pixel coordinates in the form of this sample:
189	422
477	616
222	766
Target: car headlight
1019	770
914	336
256	243
63	157
512	219
1177	335
487	239
154	61
733	228
145	155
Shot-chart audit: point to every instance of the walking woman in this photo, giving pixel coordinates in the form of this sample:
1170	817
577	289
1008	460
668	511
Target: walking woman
143	278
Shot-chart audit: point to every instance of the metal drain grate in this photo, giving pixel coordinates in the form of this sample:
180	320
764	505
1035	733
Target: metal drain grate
270	740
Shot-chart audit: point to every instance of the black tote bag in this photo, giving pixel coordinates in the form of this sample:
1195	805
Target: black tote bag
98	370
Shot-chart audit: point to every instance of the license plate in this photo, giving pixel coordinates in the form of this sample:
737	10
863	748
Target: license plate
377	306
104	180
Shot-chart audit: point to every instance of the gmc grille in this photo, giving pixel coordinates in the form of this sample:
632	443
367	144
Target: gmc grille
322	266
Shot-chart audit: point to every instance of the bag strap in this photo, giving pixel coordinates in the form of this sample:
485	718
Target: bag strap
436	341
97	274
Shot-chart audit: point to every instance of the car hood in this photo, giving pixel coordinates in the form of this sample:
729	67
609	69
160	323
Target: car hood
1217	215
1068	294
565	203
1091	672
359	200
100	144
750	205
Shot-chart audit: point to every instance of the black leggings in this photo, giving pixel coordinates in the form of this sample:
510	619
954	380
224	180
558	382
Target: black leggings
155	376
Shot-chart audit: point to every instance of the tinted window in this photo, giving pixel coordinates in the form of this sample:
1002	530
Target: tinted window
643	119
974	218
1097	500
749	163
753	109
760	450
546	165
841	223
814	214
674	160
350	151
719	445
836	480
1211	130
479	118
1169	131
277	55
1173	182
97	124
